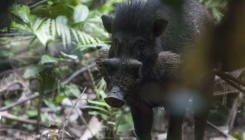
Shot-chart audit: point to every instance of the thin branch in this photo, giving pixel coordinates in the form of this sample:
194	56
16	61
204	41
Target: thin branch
215	127
231	83
224	93
223	75
133	132
79	72
5	114
19	102
66	119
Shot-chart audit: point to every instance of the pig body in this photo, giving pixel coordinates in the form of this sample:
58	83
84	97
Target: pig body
141	67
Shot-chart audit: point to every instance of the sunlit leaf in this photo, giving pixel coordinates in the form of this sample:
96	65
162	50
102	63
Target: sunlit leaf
75	34
59	98
50	3
62	19
99	103
80	13
46	59
69	56
53	27
237	136
37	24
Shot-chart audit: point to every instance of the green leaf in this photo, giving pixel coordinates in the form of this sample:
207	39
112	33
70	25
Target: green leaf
31	113
50	3
74	90
69	56
125	127
99	103
237	136
59	98
46	59
71	89
80	13
24	13
32	71
37	24
50	104
62	20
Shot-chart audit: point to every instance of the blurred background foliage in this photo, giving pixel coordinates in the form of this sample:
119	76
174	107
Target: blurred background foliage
45	42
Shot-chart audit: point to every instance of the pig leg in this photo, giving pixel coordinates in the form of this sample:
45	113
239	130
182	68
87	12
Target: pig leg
201	104
201	110
175	126
142	115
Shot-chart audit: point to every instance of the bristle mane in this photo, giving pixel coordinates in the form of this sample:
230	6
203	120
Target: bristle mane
132	16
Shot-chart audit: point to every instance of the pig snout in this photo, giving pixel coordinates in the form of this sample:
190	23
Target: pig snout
115	98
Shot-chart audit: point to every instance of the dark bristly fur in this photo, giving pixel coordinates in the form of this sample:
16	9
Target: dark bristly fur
148	40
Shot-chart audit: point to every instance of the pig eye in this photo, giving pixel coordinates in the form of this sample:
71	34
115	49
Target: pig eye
114	44
141	47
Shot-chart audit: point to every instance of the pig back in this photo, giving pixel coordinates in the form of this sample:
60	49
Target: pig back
187	21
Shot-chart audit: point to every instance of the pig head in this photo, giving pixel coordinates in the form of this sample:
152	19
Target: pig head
121	75
124	76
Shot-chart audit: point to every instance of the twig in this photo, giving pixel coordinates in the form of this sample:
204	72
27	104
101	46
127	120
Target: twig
227	92
40	104
223	76
229	81
66	119
133	132
78	72
19	102
5	114
233	112
227	135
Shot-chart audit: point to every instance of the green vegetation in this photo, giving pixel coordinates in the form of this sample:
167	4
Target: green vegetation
48	43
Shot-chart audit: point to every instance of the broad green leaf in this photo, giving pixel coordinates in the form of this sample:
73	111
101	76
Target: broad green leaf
62	19
50	104
125	127
32	71
48	59
69	56
59	98
237	136
31	113
42	37
37	24
74	90
50	3
24	13
80	13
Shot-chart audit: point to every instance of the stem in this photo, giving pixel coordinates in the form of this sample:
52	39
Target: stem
40	104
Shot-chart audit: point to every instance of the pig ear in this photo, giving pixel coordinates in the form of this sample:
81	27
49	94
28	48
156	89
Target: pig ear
107	22
159	26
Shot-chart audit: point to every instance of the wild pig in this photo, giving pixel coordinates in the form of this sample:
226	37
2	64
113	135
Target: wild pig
141	67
